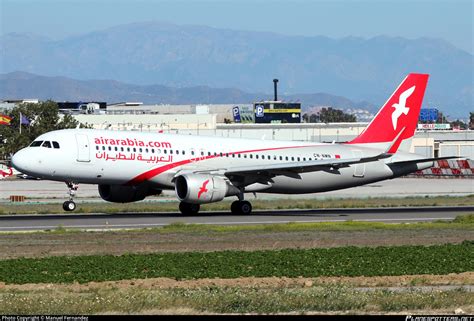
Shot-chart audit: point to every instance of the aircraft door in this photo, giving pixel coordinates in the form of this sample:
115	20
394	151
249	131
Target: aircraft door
83	151
359	169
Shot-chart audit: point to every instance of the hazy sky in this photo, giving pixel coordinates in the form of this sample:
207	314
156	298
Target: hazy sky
451	20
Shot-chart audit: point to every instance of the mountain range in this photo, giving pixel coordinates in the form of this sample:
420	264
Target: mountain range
18	85
200	57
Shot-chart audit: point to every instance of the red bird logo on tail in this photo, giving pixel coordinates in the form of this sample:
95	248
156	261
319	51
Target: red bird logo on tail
203	188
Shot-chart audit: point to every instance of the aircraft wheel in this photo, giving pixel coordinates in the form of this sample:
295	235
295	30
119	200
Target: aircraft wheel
189	209
69	206
234	208
241	208
245	207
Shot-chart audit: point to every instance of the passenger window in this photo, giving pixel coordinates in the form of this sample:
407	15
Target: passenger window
134	150
304	159
192	152
286	158
128	149
110	148
121	149
281	157
152	150
103	147
251	156
182	152
164	151
177	152
146	150
96	147
171	151
140	149
292	159
269	157
298	159
239	155
55	144
36	143
116	148
46	144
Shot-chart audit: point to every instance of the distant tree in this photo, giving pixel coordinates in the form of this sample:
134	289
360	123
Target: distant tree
441	118
43	117
331	115
458	123
305	118
471	120
314	118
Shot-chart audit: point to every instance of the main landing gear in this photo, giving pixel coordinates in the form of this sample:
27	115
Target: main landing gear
241	208
70	206
188	208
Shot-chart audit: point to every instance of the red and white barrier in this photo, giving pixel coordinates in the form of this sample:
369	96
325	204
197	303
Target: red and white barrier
459	168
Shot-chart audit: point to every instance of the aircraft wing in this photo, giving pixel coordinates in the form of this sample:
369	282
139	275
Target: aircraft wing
302	167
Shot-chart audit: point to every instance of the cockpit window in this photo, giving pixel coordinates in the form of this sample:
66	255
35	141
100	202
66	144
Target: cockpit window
36	143
55	144
46	144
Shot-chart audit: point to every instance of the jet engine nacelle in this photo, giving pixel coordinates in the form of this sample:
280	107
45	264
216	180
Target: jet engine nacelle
126	194
201	189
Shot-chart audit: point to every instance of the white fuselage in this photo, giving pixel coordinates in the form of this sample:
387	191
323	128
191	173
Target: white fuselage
125	157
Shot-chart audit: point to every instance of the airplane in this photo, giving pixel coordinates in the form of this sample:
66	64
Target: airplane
129	166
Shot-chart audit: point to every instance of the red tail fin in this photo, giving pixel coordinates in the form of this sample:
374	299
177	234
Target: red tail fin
399	113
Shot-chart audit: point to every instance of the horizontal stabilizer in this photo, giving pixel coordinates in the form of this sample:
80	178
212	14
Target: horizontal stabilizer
423	160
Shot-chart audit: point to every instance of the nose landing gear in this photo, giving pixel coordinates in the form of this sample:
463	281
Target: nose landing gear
70	205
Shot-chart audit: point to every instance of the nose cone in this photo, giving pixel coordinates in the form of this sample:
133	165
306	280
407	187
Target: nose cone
20	162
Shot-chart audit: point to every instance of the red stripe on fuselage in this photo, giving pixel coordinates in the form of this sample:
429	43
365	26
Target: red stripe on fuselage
159	170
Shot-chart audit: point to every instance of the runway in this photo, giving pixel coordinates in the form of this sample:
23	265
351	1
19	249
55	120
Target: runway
100	221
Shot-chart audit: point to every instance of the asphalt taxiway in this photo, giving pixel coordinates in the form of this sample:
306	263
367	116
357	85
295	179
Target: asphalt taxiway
98	221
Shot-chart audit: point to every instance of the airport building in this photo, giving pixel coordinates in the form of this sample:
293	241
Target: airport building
213	120
430	143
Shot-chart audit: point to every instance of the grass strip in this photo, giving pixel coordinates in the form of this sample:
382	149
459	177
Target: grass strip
460	222
463	222
258	204
341	261
229	300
